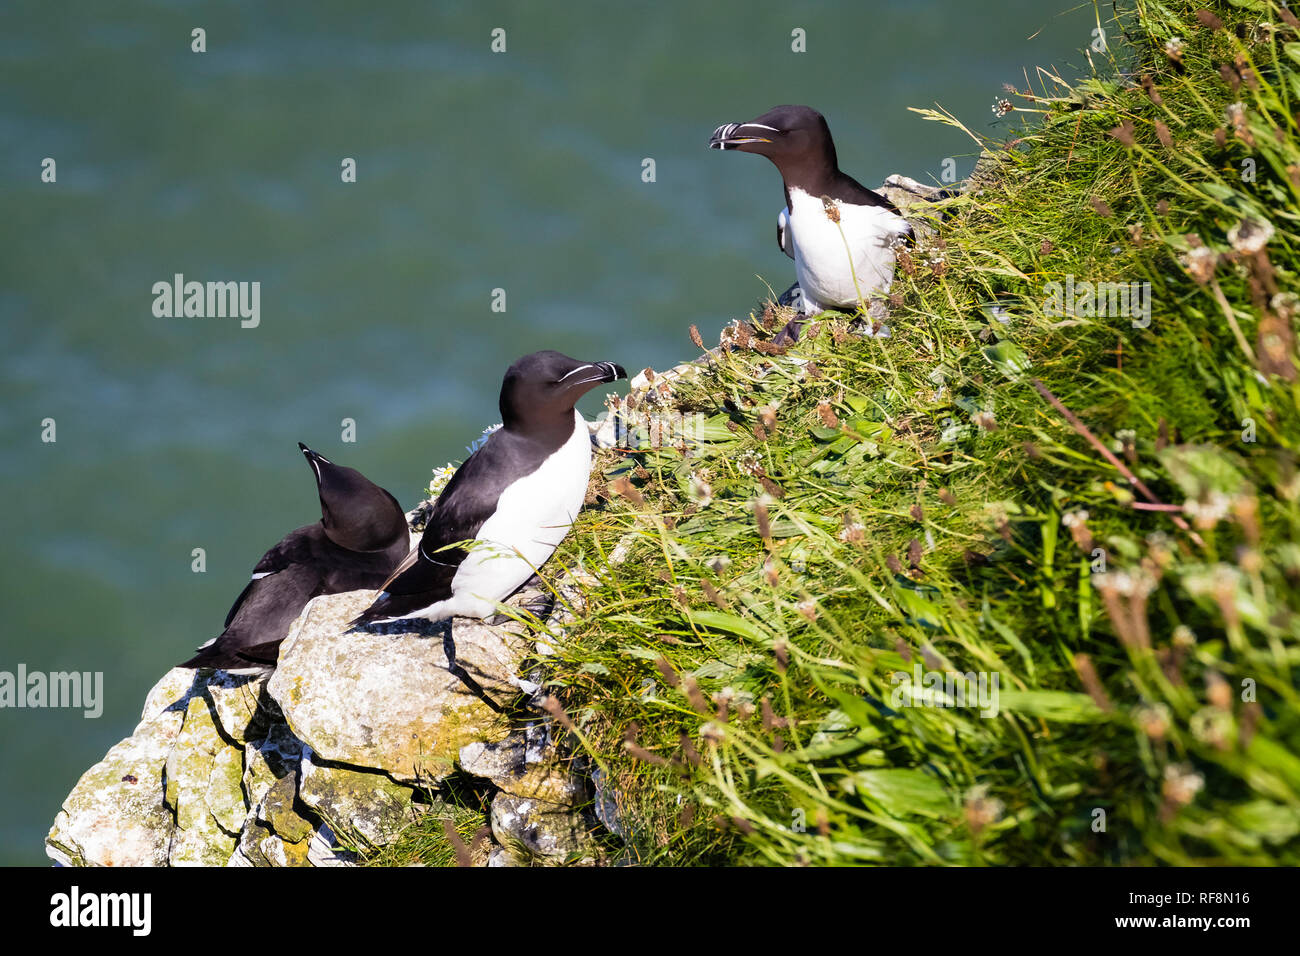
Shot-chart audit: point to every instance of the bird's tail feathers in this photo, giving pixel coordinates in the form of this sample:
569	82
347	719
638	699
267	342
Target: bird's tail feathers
221	658
379	610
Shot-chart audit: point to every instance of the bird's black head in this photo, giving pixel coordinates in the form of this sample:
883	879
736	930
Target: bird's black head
795	138
356	512
539	391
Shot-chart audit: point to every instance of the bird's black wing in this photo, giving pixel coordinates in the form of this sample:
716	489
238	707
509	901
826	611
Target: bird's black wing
304	565
264	612
295	546
849	190
265	655
285	578
469	499
239	602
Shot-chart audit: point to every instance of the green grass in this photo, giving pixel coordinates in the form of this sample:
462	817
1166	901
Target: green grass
426	841
919	500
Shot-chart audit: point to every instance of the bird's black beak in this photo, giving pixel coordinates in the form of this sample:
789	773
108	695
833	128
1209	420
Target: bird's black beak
586	377
736	135
612	371
314	459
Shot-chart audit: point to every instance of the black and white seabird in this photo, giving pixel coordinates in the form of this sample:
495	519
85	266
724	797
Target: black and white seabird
361	537
514	498
798	141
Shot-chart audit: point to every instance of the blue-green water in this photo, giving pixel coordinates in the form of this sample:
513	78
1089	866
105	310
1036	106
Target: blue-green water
476	171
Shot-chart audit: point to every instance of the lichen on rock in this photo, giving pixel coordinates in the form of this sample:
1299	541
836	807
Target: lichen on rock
532	830
192	789
369	804
342	749
526	764
402	698
116	814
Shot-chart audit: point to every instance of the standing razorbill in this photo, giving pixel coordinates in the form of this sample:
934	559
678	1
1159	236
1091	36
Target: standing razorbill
361	537
798	141
515	498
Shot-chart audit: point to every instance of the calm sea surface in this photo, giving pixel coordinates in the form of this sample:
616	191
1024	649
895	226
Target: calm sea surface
476	171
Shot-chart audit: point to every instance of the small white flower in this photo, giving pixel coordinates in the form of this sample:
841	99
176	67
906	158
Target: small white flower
983	810
478	443
750	464
1225	580
1119	581
1143	583
1001	107
1135	583
1174	47
933	256
1200	263
1206	514
440	478
997	512
1182	783
1285	304
1072	518
1250	235
701	491
1152	720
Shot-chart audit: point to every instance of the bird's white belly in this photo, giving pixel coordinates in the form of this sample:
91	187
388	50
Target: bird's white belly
531	519
828	256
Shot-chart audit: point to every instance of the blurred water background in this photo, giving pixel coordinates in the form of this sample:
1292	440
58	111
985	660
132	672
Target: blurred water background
476	171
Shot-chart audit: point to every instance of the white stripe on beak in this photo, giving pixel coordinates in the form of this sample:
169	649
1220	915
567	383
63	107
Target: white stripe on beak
578	369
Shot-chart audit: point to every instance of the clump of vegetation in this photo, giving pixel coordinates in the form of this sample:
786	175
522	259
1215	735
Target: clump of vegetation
1097	506
449	828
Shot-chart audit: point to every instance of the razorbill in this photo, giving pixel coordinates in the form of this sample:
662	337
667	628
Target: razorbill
361	537
511	503
835	229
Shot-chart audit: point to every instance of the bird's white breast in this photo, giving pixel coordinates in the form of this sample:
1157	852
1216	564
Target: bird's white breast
823	251
533	515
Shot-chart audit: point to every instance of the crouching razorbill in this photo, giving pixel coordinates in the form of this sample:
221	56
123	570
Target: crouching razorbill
511	503
361	537
841	235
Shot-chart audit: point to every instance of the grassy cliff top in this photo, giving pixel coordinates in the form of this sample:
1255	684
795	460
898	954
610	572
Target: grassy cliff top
1092	499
